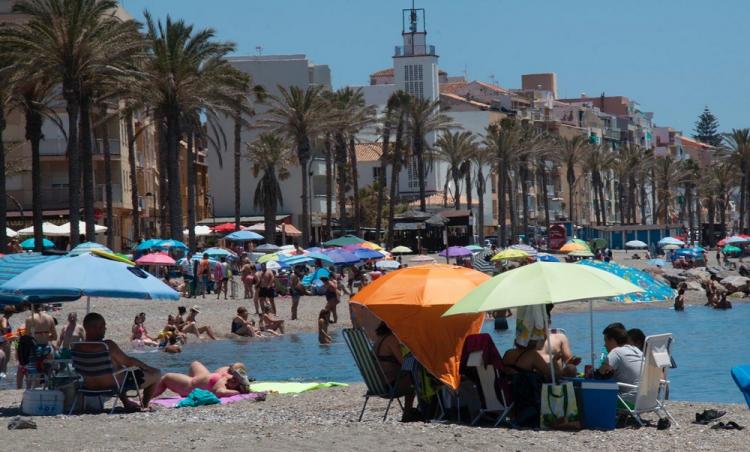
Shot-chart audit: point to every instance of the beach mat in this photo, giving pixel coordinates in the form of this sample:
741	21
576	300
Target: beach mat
171	402
289	387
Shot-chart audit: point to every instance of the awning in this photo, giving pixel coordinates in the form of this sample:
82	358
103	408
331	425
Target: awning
408	226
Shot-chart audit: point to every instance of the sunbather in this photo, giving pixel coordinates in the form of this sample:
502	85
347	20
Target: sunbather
269	321
241	326
223	382
173	345
191	325
139	335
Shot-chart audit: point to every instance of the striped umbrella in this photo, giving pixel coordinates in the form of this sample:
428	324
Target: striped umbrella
87	247
530	250
12	265
482	262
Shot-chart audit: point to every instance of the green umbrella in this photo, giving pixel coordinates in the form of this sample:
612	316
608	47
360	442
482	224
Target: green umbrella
729	249
542	283
475	248
344	241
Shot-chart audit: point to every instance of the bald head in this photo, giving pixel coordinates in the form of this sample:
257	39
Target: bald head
95	326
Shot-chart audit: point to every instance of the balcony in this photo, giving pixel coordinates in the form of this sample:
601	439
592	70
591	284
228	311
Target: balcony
56	147
613	134
100	194
416	50
52	198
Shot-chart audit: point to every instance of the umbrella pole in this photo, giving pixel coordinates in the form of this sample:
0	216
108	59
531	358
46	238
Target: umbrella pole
591	329
88	305
549	348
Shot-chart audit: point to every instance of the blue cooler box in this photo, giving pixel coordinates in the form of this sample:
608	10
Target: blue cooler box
599	404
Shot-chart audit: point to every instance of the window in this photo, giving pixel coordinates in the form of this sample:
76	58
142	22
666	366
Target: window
413	173
376	172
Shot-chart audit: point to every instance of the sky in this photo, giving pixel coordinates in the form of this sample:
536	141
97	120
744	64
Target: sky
672	56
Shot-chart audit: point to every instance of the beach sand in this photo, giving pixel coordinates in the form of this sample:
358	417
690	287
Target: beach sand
326	420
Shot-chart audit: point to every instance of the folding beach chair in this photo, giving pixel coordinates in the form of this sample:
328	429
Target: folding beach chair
741	376
491	403
369	367
649	393
92	359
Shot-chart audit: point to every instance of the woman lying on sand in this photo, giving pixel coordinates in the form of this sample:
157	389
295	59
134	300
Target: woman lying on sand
223	382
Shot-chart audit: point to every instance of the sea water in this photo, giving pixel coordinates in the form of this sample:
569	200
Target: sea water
708	343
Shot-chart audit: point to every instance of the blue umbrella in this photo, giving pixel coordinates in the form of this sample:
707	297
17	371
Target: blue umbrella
217	253
167	244
28	244
319	256
87	275
341	257
736	239
12	265
296	260
243	236
87	247
148	244
654	290
544	257
367	254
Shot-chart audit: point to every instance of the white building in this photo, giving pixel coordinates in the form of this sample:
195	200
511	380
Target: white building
269	71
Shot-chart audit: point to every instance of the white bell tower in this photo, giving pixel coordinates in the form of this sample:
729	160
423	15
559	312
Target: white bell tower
415	64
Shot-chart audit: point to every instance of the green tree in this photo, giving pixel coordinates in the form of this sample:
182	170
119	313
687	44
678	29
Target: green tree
455	148
482	157
270	155
571	153
401	102
502	139
737	142
707	128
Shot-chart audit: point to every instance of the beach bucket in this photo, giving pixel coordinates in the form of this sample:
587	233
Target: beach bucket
599	404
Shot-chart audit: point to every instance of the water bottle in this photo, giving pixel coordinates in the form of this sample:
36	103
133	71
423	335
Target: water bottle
603	357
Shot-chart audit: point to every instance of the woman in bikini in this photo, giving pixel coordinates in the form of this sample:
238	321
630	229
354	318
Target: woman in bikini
223	382
388	352
139	334
332	297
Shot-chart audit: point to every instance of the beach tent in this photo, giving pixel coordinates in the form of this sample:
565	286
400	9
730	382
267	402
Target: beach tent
48	229
411	301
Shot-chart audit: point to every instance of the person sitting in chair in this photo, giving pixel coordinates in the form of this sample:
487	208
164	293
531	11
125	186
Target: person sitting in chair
623	361
388	353
146	376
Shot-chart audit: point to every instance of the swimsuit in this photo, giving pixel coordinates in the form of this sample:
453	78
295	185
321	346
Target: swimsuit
215	377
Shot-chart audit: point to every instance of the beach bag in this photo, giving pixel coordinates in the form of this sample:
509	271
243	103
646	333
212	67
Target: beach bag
559	409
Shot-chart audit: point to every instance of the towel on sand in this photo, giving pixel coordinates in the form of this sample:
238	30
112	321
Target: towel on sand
287	387
172	402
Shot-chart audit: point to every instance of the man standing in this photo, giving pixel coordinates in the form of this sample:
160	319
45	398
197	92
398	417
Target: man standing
147	376
267	287
70	333
203	275
186	266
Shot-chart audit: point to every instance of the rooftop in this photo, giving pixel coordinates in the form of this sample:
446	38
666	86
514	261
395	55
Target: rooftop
368	152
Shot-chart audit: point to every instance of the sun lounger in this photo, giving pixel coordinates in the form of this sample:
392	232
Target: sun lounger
92	359
369	367
741	376
649	392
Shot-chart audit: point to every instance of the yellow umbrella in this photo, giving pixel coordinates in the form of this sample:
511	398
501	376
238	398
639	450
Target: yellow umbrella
269	257
573	246
510	254
371	246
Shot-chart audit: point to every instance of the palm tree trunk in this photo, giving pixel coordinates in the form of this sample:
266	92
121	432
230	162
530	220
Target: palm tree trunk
445	193
545	194
512	207
34	135
654	218
3	192
175	188
621	201
571	176
87	168
689	205
72	107
237	161
524	173
480	204
501	181
269	207
382	181
698	209
643	198
134	198
711	218
329	185
303	155
191	194
743	193
595	185
469	200
355	184
395	170
419	151
107	177
341	177
164	207
457	194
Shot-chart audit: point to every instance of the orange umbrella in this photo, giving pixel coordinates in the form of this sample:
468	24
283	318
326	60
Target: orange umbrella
411	301
573	246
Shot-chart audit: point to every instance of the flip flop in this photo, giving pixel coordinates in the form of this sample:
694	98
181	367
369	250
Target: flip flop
708	416
731	425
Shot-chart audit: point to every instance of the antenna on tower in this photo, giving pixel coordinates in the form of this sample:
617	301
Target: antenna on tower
413	18
493	80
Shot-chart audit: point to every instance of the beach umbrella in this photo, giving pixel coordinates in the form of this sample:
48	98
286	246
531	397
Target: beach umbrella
28	244
421	260
401	250
10	233
530	250
387	265
671	247
200	231
243	236
48	229
297	260
368	245
268	258
225	228
653	289
510	254
87	247
64	229
455	251
474	248
544	257
636	244
574	246
12	265
670	241
729	249
344	240
169	244
87	275
319	256
341	257
267	248
216	252
412	301
155	259
581	253
148	244
274	265
482	262
598	243
367	254
736	240
657	262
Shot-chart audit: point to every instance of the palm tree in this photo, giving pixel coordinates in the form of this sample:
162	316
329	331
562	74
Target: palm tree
455	149
570	155
502	139
482	157
669	174
270	154
598	159
544	154
387	119
300	115
401	105
738	142
70	41
5	97
424	119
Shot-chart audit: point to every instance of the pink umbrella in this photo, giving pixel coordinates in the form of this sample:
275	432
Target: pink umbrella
155	259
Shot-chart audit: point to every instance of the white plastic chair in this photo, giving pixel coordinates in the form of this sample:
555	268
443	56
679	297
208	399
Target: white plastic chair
487	375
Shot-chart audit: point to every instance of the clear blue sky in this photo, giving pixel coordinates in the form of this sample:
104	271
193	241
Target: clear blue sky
672	56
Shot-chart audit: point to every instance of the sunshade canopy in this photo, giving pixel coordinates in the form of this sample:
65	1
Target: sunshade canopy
544	257
155	259
670	241
64	229
200	231
344	240
243	236
12	265
636	244
28	244
411	301
341	257
510	254
542	283
169	244
581	253
148	244
574	246
530	250
401	250
455	251
267	248
729	249
225	228
653	289
48	229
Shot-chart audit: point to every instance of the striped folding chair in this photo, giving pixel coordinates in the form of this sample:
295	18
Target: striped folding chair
92	359
369	367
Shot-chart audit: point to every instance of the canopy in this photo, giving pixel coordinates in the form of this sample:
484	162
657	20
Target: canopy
341	257
401	250
169	244
455	251
87	275
670	241
243	236
87	247
729	249
200	231
12	265
411	301
48	229
529	250
367	254
581	253
297	260
290	230
217	252
225	228
737	239
28	244
155	259
542	283
636	244
64	230
653	289
10	233
574	246
267	248
319	256
474	248
510	254
544	257
344	240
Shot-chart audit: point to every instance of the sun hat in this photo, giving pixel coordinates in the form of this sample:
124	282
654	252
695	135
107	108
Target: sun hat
196	308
